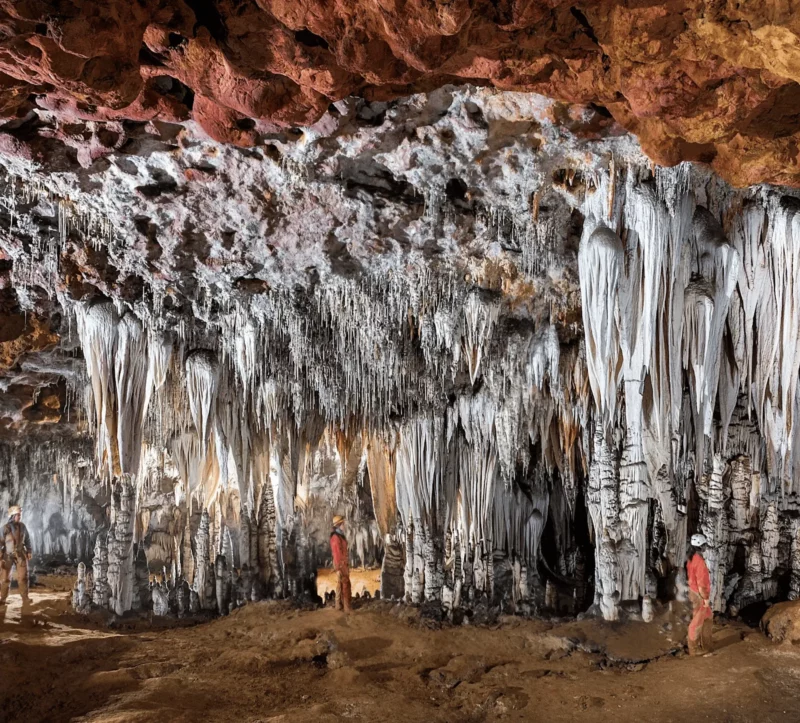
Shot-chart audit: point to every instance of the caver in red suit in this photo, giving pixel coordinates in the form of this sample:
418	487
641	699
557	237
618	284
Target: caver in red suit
341	564
699	595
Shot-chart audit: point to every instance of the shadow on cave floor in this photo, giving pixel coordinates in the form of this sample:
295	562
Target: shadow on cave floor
47	666
272	662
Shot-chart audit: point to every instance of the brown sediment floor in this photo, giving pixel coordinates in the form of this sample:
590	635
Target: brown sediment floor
269	662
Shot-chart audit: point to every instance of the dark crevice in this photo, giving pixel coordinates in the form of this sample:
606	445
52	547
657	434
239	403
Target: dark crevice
373	114
456	190
381	183
584	22
167	85
208	16
601	110
176	40
310	40
148	57
163	183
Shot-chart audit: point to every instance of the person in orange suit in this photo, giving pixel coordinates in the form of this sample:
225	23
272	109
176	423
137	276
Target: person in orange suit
700	597
341	564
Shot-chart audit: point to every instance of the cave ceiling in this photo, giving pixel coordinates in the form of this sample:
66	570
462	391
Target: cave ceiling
714	82
186	158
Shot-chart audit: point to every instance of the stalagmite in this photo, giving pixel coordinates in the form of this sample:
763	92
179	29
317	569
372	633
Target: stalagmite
202	543
160	595
187	555
120	548
101	592
81	594
222	584
267	554
794	559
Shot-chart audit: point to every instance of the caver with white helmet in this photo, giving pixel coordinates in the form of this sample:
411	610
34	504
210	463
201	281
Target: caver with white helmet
698	540
16	550
697	575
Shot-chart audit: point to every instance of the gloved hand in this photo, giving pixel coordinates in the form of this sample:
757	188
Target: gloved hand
29	556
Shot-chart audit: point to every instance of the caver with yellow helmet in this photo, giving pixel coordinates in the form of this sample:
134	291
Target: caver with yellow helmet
16	550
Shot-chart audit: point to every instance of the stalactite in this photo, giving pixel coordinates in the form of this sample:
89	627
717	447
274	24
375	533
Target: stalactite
97	328
201	387
480	317
476	406
131	384
600	262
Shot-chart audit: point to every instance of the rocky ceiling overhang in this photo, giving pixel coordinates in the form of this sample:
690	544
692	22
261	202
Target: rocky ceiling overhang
708	81
183	159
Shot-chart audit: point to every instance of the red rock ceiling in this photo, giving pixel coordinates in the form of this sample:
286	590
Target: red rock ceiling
707	81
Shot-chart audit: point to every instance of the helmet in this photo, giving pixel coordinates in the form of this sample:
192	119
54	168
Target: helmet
337	520
14	510
698	540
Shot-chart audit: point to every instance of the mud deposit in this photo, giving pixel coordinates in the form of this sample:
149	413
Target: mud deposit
269	662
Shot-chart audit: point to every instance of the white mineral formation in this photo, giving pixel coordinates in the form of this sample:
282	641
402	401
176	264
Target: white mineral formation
499	354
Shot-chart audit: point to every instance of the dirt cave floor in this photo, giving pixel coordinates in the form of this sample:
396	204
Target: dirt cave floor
271	662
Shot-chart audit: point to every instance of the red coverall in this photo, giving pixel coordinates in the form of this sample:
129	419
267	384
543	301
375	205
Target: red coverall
341	564
699	594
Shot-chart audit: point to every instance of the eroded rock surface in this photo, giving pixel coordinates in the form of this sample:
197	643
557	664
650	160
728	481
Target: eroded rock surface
780	622
715	82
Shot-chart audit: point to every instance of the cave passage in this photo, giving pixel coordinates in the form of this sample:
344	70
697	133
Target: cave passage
507	293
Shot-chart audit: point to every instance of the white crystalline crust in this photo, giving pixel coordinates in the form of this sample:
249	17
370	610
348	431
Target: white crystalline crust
566	342
687	331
